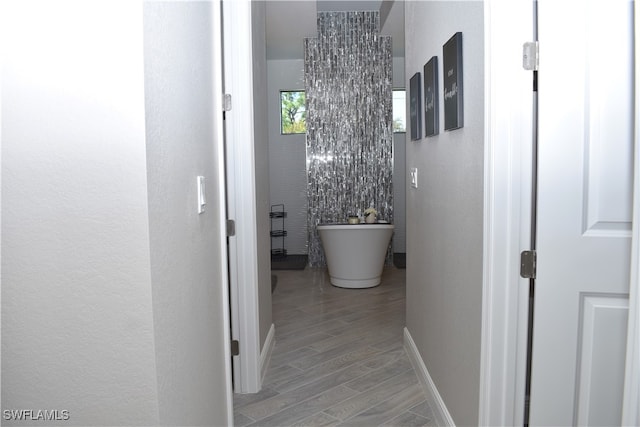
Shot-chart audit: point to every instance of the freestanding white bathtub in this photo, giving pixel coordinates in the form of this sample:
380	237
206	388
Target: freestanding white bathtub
355	254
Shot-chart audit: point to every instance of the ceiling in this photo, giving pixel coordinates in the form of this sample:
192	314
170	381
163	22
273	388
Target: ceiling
290	21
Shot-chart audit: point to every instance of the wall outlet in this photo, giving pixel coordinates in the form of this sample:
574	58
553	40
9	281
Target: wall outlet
414	177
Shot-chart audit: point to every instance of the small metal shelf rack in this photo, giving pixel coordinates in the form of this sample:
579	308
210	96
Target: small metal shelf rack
277	215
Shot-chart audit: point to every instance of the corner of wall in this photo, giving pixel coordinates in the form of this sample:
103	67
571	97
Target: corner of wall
440	411
267	351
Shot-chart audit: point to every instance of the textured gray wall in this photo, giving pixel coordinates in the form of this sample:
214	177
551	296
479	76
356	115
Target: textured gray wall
77	319
185	254
348	83
112	306
445	213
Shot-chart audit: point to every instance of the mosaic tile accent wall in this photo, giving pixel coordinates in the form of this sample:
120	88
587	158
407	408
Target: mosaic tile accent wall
348	83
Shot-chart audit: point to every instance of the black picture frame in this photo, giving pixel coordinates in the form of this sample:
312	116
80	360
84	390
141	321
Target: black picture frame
431	119
415	108
452	79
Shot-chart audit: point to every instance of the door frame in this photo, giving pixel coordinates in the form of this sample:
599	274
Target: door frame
507	212
631	397
507	194
220	202
241	194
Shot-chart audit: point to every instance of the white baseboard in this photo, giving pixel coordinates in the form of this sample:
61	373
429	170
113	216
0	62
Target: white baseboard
267	351
440	411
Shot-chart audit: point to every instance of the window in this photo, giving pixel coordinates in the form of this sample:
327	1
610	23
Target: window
293	113
399	111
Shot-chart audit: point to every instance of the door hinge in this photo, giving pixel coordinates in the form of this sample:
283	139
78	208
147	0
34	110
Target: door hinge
226	103
231	228
528	264
530	56
235	347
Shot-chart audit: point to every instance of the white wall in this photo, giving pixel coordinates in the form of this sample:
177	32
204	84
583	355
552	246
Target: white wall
399	193
261	150
185	256
77	323
444	214
111	304
288	158
399	170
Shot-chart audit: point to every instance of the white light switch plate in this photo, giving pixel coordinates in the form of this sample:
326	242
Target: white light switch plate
202	201
414	177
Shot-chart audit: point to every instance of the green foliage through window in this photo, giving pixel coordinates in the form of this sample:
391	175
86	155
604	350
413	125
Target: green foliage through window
293	113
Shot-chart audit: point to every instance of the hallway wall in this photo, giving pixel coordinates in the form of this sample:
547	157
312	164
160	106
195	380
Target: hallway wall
444	214
112	305
77	319
185	255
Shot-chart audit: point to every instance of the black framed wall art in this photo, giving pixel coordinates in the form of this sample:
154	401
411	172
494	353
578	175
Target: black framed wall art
431	97
415	109
452	79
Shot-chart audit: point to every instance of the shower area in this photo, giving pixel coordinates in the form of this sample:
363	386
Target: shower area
348	82
344	163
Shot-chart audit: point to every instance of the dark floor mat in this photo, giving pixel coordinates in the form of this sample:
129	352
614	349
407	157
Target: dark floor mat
400	260
289	262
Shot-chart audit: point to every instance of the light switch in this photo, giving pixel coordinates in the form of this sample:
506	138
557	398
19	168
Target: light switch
202	201
414	177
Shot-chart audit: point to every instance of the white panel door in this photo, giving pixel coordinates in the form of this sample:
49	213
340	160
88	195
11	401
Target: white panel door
584	211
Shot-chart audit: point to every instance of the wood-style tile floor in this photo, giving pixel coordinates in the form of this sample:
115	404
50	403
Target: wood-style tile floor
338	358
